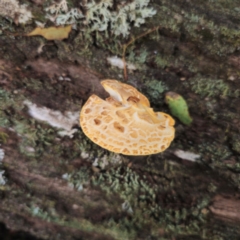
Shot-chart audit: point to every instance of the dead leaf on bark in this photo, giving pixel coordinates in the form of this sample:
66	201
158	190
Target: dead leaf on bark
52	33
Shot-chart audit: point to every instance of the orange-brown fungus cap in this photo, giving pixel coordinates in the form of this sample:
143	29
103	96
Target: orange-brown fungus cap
125	123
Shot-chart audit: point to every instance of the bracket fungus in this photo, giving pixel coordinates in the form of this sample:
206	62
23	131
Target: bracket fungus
125	123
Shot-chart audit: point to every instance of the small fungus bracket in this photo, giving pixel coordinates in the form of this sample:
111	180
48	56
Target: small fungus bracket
125	123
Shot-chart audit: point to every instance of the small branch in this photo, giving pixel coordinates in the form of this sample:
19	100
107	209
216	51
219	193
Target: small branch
125	46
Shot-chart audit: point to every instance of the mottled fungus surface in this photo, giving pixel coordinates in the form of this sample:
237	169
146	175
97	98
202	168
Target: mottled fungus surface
125	123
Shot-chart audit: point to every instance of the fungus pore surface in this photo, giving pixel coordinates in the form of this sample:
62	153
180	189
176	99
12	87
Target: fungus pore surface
125	123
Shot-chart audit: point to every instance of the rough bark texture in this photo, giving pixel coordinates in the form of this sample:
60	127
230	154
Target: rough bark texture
53	189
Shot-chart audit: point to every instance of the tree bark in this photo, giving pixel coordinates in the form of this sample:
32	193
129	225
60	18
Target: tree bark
66	187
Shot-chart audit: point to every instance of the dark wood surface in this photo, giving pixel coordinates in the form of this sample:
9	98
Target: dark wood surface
194	53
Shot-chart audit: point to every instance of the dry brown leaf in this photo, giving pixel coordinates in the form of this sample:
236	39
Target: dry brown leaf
52	33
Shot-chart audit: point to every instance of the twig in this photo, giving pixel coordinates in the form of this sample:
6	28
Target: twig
125	46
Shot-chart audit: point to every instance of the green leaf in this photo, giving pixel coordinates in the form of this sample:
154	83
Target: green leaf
178	107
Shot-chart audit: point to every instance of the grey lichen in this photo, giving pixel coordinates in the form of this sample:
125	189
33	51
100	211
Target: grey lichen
3	179
12	9
64	121
105	161
103	15
62	15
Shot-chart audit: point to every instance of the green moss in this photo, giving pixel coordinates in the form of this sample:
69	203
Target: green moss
48	212
208	87
214	153
3	137
169	196
5	101
235	142
155	89
137	57
6	24
34	137
78	179
140	195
